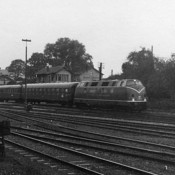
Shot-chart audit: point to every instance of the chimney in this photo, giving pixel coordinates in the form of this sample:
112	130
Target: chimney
112	72
47	68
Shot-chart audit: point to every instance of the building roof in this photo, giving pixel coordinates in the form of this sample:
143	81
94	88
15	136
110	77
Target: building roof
4	72
79	73
50	70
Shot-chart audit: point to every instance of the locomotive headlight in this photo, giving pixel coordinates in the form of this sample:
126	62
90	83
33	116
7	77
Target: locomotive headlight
132	97
145	98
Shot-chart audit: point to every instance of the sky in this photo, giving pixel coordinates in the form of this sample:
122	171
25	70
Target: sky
109	29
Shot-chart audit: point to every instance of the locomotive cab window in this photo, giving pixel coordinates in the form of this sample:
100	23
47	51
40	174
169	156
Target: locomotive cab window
86	84
122	84
82	84
133	82
114	83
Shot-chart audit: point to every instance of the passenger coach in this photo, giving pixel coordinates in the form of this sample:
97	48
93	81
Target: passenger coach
62	93
10	92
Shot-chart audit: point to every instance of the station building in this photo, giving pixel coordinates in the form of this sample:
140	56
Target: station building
61	74
5	77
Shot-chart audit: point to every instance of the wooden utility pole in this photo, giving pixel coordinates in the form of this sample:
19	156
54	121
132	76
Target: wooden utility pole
100	70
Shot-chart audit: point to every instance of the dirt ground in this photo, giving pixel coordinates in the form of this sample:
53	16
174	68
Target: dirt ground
16	164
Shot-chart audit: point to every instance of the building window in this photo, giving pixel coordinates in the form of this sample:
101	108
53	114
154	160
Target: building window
62	77
59	77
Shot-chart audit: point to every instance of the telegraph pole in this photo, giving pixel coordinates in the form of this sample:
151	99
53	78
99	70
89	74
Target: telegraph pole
100	71
26	40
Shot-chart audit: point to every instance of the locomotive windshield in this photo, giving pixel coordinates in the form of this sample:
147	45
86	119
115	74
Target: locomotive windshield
136	84
133	83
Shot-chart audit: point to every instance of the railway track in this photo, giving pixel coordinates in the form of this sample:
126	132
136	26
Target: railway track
100	136
33	119
161	156
146	116
48	159
146	128
88	163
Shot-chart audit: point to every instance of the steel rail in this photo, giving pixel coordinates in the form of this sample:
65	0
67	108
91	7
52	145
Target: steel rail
89	135
160	155
107	162
54	158
93	140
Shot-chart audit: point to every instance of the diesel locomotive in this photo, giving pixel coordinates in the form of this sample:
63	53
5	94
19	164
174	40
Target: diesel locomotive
127	93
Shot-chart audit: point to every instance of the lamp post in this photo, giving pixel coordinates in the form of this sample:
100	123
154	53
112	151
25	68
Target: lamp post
26	40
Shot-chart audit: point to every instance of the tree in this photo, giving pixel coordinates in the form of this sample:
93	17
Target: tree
34	64
70	53
157	86
140	65
17	67
37	60
169	73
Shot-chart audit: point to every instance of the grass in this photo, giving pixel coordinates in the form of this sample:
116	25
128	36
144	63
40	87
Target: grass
162	104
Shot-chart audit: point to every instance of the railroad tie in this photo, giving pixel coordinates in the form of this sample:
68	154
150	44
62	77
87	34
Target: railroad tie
62	169
22	153
40	160
60	156
18	150
83	164
10	148
34	158
28	155
46	163
53	166
77	161
80	163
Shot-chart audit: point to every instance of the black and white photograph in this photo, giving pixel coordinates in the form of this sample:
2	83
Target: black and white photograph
87	87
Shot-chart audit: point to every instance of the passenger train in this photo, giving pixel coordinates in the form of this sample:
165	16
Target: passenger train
127	93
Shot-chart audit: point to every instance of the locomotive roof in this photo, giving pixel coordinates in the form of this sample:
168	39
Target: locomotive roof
116	82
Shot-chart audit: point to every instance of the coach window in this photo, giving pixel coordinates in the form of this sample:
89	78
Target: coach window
105	83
